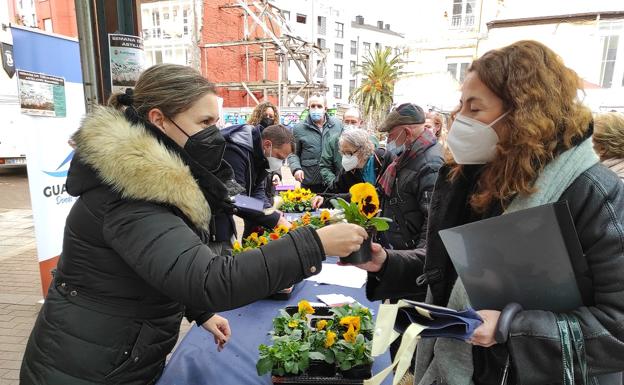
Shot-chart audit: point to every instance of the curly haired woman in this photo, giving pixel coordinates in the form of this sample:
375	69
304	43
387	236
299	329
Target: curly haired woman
519	139
609	141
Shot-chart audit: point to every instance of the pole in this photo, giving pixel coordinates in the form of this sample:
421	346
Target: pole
87	53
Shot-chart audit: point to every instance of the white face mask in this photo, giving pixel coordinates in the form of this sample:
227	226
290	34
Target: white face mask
472	142
274	163
349	162
348	127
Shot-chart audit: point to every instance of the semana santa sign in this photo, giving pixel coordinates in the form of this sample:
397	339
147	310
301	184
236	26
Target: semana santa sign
47	130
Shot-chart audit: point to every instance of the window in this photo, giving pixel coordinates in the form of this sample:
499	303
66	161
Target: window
322	25
340	30
320	69
352	66
610	39
351	86
338	51
458	69
337	91
353	47
337	71
166	16
301	19
320	42
185	21
286	15
366	47
47	25
378	46
463	14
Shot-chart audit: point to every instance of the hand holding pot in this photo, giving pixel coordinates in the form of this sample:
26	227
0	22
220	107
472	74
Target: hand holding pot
341	239
379	257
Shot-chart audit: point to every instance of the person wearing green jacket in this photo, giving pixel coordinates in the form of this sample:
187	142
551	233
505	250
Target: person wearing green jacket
310	136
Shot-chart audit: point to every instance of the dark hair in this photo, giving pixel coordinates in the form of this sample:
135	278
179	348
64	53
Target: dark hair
172	88
279	135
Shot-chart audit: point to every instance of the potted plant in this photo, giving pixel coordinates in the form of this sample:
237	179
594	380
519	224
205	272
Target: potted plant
363	210
287	356
322	358
366	323
353	355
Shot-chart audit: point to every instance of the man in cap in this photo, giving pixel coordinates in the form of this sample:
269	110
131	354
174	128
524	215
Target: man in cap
407	184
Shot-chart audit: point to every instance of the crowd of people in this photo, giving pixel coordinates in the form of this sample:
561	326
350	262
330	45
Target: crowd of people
148	240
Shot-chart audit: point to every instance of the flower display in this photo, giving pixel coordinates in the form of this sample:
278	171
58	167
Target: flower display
296	201
336	337
262	236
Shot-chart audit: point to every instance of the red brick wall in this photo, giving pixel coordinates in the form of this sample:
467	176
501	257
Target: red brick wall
62	13
227	64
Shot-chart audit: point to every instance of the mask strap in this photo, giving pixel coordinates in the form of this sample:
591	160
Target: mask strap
179	128
499	118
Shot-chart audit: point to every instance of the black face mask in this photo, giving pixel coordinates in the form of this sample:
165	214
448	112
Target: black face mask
205	147
266	122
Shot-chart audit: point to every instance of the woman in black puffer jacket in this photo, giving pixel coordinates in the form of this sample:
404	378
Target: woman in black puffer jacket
136	251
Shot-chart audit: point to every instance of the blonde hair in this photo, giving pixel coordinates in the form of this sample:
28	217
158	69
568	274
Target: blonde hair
545	118
609	135
172	88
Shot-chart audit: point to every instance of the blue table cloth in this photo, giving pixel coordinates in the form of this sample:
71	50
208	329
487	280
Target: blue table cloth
197	362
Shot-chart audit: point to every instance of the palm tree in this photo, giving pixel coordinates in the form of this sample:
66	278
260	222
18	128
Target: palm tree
380	71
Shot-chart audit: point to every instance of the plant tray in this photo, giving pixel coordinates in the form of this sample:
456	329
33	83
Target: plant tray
303	380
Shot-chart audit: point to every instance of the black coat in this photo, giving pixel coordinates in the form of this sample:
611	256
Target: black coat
243	152
596	200
408	204
135	259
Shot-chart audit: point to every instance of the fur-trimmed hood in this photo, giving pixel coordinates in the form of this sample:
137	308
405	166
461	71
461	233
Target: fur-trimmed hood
134	163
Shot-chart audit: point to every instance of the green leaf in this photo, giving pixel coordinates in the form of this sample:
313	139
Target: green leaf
380	224
317	356
290	367
264	366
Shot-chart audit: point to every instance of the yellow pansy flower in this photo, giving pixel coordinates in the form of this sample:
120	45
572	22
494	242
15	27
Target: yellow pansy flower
350	335
293	323
237	246
253	237
351	321
263	241
324	216
320	325
330	339
365	197
305	307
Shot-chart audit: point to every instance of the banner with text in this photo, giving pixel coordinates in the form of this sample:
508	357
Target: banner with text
52	104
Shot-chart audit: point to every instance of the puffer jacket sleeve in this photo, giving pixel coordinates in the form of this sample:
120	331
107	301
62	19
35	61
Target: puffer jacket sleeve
165	252
294	159
327	162
596	202
397	279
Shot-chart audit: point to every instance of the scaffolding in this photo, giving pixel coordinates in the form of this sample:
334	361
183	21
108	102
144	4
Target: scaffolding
282	47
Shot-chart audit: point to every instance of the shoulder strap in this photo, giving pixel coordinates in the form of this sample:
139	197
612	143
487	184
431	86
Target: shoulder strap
571	336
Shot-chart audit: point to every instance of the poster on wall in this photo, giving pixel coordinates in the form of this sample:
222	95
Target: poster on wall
41	94
127	60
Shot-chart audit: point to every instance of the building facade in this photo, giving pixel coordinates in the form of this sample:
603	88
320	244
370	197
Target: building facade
451	34
346	36
56	16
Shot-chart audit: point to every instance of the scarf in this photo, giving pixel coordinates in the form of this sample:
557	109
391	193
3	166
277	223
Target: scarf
420	145
368	171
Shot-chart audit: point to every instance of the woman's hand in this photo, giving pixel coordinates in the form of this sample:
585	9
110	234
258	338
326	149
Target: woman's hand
220	329
317	201
484	334
276	180
375	264
341	239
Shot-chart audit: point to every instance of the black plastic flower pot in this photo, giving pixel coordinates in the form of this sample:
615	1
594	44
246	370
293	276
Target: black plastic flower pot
320	368
359	372
364	253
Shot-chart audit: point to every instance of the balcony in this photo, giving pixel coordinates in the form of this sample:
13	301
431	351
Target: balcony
462	21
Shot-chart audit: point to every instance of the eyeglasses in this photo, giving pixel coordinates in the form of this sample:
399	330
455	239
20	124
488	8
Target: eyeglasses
351	153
